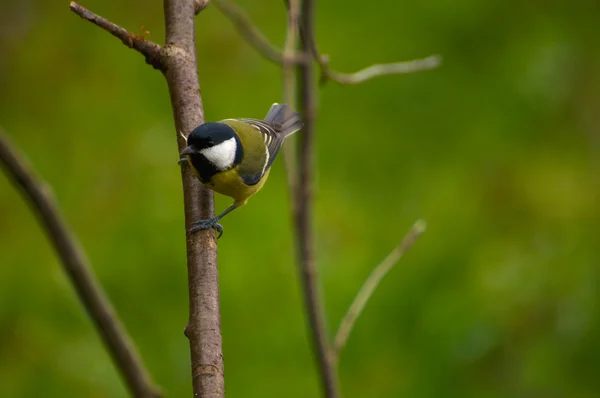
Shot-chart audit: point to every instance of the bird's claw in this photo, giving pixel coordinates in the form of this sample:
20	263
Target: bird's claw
206	224
182	161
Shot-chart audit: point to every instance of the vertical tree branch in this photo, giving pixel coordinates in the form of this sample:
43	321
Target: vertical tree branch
289	93
177	60
77	267
204	325
304	229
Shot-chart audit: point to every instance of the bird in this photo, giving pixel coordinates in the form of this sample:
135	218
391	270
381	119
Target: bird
233	156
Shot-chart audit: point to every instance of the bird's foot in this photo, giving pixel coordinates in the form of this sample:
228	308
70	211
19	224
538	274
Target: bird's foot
182	161
207	224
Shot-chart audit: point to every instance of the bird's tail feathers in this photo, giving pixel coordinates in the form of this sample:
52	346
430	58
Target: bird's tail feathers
289	120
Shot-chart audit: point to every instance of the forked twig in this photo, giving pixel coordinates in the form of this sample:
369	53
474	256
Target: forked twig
257	39
394	68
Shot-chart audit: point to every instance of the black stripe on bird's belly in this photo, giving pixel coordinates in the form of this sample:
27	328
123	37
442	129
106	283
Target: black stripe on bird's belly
205	169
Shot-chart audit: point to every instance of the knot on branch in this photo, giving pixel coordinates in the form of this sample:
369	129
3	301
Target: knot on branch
172	52
207	369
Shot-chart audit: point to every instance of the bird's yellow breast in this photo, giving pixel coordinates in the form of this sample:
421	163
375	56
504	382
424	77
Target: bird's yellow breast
230	183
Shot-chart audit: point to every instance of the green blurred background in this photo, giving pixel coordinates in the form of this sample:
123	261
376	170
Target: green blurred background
498	150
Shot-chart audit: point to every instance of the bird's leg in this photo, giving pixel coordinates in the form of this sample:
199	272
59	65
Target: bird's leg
212	222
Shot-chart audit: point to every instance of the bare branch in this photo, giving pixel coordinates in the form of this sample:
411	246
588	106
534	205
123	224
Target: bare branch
252	34
77	267
151	51
204	324
177	60
200	5
396	68
367	289
369	72
303	216
255	38
289	93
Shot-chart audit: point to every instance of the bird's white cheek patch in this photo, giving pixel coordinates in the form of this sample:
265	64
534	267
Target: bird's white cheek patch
221	155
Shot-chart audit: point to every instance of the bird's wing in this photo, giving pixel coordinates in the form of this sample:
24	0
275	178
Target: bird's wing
256	157
272	136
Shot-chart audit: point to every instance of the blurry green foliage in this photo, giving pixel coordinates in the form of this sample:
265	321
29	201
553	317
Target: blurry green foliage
498	150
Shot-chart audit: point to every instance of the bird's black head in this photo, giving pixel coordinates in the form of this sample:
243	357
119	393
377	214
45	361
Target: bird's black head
209	134
213	147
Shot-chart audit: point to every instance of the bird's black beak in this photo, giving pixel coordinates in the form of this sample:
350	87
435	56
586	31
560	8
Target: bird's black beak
188	150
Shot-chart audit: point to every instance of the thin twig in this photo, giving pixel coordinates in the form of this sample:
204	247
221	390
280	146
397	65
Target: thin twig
257	39
369	286
369	72
77	267
178	63
396	68
289	93
252	34
148	49
304	228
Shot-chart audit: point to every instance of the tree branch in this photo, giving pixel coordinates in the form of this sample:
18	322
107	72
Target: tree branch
304	229
255	38
77	267
204	325
369	72
289	94
367	289
151	51
178	63
396	68
253	35
301	201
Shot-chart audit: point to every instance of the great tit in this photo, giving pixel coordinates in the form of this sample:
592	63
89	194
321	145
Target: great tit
233	157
